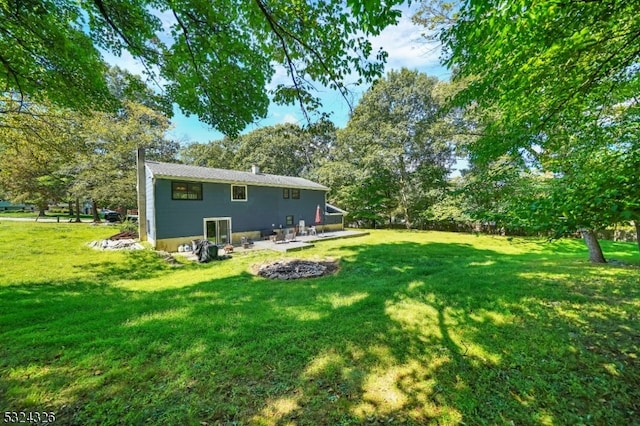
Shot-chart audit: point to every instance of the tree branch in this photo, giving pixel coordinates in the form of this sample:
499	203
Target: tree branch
136	51
279	31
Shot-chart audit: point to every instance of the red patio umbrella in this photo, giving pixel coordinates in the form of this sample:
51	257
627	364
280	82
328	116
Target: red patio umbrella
319	218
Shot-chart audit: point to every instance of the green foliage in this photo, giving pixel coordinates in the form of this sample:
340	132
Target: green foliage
47	56
451	211
502	193
280	150
218	154
49	154
129	226
554	85
543	63
105	170
214	59
33	151
594	190
416	328
393	152
284	149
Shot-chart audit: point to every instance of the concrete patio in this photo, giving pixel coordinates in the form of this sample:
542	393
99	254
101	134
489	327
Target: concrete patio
300	242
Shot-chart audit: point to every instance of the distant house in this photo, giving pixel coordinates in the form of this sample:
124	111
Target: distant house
9	206
184	203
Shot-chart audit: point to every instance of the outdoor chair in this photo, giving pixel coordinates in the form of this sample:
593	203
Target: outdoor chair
302	230
290	235
280	237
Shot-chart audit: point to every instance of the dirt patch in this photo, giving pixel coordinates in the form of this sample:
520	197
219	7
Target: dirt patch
294	269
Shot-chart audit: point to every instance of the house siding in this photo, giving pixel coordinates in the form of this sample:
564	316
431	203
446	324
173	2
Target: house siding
265	206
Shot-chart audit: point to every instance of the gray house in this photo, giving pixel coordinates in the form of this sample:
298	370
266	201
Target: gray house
184	203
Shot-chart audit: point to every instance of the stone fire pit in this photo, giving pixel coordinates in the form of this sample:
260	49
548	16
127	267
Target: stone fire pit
293	269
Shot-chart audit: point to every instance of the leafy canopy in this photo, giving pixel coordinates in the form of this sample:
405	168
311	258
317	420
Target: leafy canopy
213	58
535	65
394	151
556	86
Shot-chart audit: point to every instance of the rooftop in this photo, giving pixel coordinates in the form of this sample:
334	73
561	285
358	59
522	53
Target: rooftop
208	174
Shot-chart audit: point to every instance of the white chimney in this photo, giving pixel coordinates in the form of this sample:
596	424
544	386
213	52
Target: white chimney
255	169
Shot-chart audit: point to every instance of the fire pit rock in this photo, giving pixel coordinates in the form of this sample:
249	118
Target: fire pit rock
294	269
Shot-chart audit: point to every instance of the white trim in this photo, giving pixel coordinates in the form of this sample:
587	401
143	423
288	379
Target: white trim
340	211
246	194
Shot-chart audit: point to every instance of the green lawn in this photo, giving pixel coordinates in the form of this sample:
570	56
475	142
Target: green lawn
415	328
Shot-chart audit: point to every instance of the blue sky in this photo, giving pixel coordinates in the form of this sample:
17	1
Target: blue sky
403	42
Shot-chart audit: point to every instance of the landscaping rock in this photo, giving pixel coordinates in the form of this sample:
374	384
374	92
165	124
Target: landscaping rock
123	244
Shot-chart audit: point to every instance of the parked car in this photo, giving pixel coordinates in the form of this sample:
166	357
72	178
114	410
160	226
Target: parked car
111	216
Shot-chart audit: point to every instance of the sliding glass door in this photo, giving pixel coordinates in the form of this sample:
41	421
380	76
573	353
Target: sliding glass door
218	230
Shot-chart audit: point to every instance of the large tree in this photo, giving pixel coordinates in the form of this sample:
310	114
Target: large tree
547	75
539	63
596	171
284	149
213	58
395	144
218	153
33	149
105	170
51	154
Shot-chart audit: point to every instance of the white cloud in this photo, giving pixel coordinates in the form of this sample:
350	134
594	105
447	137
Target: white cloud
406	46
289	118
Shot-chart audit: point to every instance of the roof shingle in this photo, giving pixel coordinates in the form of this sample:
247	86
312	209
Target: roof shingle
197	173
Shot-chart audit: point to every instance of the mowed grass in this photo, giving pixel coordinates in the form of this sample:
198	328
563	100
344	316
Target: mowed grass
416	328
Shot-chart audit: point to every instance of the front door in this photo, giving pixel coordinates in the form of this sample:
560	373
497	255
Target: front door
218	230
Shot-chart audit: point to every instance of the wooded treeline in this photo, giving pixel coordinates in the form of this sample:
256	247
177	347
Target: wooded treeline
389	167
50	154
542	103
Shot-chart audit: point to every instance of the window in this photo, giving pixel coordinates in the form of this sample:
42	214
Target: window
289	220
295	193
285	192
186	191
238	193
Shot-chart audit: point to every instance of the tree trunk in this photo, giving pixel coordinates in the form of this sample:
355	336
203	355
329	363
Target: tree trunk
70	208
96	216
41	212
595	251
78	210
637	225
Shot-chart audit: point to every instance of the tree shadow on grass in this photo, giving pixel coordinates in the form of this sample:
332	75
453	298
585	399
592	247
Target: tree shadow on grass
134	265
406	333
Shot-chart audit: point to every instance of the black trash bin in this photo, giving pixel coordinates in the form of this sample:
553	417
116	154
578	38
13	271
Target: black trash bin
213	251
